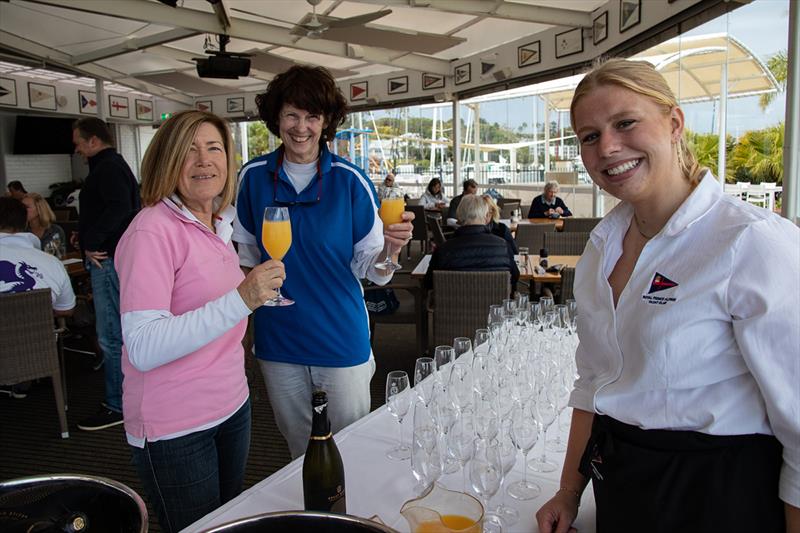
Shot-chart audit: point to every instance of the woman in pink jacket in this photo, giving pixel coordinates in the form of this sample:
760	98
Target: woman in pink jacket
184	304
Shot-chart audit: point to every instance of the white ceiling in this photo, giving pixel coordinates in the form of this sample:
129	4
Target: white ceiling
149	46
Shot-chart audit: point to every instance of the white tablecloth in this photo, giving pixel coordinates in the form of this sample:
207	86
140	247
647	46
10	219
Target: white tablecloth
377	485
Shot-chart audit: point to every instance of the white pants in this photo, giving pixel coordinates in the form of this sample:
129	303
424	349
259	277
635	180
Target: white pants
290	387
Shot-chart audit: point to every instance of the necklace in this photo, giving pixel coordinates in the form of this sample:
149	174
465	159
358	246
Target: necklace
639	229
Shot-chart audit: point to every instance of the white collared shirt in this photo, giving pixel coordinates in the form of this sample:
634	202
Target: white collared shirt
706	334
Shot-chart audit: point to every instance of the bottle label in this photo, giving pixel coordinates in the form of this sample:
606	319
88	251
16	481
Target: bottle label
337	501
328	501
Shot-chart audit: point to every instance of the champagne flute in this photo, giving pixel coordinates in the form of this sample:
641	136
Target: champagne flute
462	345
424	369
391	212
276	236
508	455
481	338
443	355
485	475
524	433
426	462
397	401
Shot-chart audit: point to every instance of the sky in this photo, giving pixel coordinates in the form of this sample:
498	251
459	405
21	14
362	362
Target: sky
762	26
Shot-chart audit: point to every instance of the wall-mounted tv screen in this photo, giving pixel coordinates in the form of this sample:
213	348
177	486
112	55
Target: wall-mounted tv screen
43	135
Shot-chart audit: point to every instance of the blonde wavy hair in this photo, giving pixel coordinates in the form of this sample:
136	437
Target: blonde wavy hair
642	78
163	161
491	205
43	211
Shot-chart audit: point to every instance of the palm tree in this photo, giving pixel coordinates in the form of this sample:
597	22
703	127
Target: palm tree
705	147
759	155
778	65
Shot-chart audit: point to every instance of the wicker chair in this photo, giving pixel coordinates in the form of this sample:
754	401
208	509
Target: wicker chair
564	243
420	231
567	282
508	207
462	301
28	344
532	235
573	225
437	235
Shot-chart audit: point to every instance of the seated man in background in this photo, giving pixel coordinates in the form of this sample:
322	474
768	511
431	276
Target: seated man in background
548	205
469	186
24	267
16	190
473	247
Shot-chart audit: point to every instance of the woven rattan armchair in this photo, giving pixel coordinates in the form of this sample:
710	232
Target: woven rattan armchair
28	344
572	224
420	231
567	282
437	235
462	301
564	243
532	235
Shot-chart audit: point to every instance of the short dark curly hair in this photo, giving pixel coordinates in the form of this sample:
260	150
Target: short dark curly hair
309	88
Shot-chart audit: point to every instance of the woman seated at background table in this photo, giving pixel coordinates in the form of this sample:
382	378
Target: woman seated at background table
434	197
497	227
548	205
473	248
686	403
41	223
184	304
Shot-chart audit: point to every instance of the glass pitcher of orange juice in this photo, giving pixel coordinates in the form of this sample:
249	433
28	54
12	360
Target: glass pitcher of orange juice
439	510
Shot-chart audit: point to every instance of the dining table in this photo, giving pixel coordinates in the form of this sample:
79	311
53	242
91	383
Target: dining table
378	486
526	263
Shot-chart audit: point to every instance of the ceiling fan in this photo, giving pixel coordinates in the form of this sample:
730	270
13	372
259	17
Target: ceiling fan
313	25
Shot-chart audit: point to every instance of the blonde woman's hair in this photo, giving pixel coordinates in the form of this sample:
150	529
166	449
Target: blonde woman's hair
43	211
164	159
642	78
491	205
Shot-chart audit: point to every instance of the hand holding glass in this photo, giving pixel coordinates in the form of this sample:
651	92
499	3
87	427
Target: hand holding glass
391	212
276	236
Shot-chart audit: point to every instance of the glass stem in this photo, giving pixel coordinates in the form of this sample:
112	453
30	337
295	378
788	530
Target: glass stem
525	468
464	476
544	444
400	420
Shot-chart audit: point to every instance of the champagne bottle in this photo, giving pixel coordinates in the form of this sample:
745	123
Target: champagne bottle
323	473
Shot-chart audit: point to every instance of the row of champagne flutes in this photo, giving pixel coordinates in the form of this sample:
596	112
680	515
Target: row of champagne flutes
477	405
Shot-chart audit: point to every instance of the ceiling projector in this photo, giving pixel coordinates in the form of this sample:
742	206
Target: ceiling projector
223	65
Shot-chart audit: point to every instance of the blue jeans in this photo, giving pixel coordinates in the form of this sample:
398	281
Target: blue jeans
105	292
188	477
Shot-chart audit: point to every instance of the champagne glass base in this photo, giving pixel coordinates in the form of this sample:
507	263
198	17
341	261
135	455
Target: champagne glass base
280	301
387	266
557	446
508	514
493	523
537	465
399	453
524	490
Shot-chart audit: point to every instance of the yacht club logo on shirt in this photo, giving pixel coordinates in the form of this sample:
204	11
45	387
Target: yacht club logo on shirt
660	283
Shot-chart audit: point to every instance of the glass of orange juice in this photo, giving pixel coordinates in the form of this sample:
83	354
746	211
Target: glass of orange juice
391	212
276	235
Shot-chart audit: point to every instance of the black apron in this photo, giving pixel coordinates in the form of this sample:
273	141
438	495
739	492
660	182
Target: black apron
661	481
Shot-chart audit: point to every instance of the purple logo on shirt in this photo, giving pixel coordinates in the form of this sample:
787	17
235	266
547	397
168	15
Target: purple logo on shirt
17	277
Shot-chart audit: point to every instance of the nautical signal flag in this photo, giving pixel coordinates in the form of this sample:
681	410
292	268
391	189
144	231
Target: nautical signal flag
398	85
661	283
358	91
88	103
528	54
432	81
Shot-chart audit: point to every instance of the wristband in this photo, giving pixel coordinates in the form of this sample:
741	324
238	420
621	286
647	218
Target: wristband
571	491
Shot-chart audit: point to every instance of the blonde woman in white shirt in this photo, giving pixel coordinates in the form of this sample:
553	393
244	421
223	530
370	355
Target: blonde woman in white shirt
686	405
